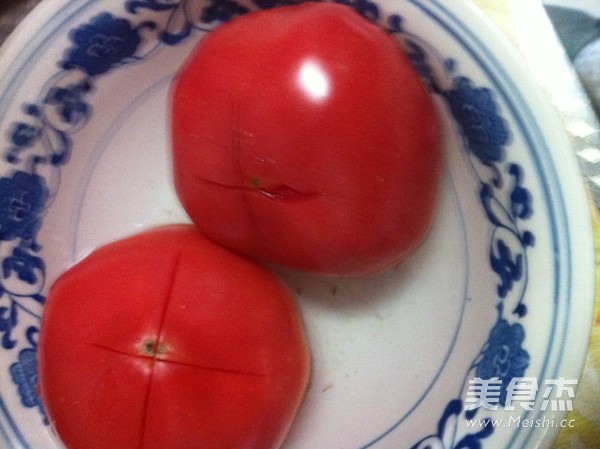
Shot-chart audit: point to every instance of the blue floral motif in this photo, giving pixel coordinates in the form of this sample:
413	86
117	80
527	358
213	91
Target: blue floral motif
22	137
102	44
70	102
65	102
475	111
181	22
9	319
519	207
520	197
508	266
504	356
507	259
25	264
23	198
446	431
24	373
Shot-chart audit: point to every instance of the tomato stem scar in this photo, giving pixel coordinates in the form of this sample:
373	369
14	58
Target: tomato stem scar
152	348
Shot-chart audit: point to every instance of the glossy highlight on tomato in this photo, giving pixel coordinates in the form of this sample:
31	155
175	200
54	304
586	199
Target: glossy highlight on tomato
165	340
303	136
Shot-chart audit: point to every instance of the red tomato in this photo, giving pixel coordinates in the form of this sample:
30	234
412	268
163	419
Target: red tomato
302	135
166	340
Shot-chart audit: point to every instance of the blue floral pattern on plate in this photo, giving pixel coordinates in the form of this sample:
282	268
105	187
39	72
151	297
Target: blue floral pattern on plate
107	42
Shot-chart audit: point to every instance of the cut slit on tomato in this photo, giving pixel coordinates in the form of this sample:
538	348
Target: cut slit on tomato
154	353
274	191
153	348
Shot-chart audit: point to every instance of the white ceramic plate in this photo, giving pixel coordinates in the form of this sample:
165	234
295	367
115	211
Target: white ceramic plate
502	287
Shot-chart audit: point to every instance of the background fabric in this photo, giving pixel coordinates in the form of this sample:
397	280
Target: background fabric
11	13
579	32
586	407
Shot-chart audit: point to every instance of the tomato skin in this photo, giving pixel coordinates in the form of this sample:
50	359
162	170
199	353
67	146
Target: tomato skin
165	340
303	136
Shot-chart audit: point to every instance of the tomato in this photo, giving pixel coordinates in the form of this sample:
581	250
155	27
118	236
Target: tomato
165	340
303	136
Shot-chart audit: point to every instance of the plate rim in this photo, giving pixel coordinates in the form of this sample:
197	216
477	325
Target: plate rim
583	238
